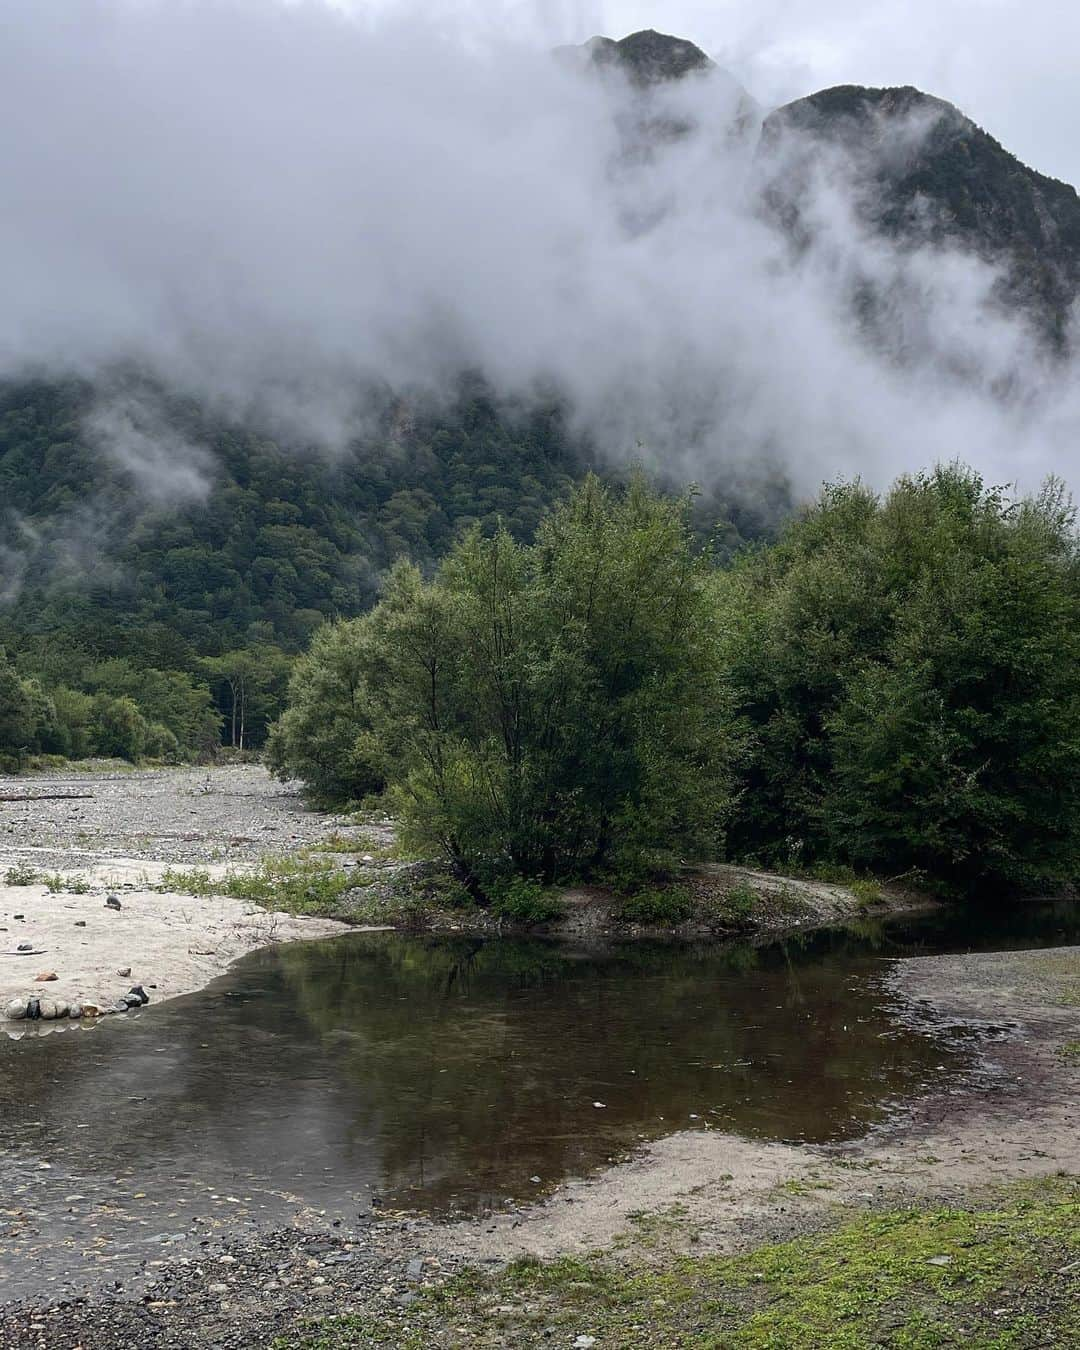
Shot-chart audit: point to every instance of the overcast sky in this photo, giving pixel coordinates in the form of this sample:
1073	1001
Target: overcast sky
1009	64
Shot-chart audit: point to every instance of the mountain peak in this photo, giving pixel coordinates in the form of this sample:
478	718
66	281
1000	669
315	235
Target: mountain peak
646	58
924	172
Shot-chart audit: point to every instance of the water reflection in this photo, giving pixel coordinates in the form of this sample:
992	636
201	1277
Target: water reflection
447	1072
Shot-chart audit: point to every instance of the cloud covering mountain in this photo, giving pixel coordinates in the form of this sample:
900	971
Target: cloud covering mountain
274	208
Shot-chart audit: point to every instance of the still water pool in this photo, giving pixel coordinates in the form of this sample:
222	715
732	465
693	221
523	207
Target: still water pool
446	1073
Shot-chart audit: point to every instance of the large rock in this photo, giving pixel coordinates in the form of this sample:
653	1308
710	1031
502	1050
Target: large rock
15	1010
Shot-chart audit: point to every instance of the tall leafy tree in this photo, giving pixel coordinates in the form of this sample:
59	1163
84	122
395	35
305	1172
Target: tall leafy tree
911	671
553	709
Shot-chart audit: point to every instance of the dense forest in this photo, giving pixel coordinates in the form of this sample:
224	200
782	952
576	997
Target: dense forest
554	674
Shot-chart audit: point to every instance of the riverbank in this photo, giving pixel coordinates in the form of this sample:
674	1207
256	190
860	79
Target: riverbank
961	1202
85	861
149	872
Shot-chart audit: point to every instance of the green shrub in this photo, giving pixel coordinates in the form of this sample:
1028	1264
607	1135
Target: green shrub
910	668
671	905
524	901
22	874
740	901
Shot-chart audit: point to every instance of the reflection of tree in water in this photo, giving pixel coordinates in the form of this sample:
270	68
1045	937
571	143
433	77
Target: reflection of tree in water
476	1064
447	1070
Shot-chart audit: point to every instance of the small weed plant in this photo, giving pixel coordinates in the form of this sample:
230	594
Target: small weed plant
22	875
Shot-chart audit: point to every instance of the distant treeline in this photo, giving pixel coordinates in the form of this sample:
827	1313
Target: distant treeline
893	685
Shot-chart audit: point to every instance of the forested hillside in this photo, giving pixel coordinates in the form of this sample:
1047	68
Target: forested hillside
109	593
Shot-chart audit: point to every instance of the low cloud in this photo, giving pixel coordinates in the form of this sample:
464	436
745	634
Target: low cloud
274	208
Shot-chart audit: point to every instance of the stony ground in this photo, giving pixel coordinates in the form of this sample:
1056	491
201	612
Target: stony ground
85	898
183	817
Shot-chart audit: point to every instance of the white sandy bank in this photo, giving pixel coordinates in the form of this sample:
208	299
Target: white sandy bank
171	944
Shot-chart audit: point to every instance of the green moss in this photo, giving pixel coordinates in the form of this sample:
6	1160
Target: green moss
916	1279
803	1186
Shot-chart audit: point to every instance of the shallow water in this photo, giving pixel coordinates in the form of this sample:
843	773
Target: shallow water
449	1073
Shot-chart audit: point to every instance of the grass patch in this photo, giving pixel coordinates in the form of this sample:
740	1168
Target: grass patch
918	1279
299	885
802	1186
1070	1050
22	874
523	901
865	891
57	884
659	905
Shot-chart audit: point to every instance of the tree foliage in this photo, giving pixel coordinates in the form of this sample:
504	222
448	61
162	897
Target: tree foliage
551	709
911	670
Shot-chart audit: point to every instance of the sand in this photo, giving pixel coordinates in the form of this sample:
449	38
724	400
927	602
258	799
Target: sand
169	944
118	832
1015	1116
